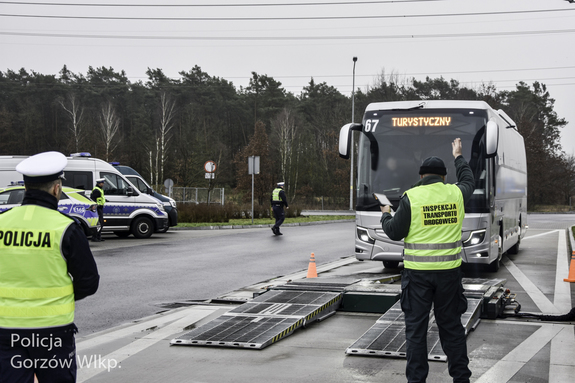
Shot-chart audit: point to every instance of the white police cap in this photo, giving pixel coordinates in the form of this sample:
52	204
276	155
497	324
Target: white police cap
100	180
281	184
43	167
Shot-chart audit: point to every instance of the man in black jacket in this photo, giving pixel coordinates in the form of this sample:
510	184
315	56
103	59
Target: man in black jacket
46	265
278	201
429	219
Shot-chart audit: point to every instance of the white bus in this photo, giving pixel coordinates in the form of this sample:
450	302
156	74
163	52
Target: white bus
397	136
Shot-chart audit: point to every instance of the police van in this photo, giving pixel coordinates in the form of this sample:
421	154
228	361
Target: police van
127	211
139	183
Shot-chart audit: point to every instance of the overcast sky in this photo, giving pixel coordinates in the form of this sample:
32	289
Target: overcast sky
487	41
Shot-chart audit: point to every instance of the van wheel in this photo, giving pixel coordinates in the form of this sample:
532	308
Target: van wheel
122	234
390	264
142	227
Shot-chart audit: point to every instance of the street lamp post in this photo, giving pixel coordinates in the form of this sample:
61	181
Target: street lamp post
352	120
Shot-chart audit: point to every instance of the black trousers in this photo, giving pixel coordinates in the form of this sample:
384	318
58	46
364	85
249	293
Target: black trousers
279	214
442	289
48	353
100	210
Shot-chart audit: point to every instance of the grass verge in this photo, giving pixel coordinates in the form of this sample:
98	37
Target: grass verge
267	221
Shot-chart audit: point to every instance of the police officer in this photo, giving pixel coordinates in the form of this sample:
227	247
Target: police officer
278	201
429	217
98	196
46	265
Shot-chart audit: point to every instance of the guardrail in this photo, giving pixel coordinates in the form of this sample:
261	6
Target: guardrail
197	195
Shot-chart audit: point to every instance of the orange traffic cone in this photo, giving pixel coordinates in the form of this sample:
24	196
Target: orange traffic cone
311	269
571	277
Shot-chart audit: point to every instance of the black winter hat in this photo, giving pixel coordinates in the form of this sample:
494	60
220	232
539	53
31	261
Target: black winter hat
433	165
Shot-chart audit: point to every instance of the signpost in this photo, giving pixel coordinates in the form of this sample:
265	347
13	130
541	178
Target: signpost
210	168
253	168
169	184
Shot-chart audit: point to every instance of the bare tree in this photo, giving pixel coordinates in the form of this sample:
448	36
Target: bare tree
75	111
167	114
110	123
285	130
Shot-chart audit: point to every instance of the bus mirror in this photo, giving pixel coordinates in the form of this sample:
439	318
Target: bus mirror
345	138
491	139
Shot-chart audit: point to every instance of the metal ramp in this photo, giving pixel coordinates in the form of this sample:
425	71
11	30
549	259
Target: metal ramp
386	338
265	320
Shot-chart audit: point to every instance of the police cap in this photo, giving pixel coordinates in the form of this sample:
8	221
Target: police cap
281	184
43	167
433	165
100	180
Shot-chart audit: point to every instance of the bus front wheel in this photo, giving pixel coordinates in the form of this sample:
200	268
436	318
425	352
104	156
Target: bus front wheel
390	264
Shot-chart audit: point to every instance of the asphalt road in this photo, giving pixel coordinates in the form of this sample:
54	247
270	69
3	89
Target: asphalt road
140	277
143	277
512	350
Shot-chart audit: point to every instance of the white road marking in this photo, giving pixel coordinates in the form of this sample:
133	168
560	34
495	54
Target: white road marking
511	363
539	235
562	298
192	315
562	358
530	288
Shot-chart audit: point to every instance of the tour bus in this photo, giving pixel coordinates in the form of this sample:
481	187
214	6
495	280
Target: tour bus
126	211
397	136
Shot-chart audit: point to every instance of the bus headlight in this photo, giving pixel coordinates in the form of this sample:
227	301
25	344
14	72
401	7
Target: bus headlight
364	236
475	238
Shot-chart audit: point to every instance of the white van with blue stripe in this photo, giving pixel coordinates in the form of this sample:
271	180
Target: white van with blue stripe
127	210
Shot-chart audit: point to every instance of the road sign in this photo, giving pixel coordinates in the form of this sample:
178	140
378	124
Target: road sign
210	176
254	165
210	167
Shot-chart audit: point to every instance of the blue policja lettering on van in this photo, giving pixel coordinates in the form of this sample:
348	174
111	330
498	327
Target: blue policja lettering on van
126	210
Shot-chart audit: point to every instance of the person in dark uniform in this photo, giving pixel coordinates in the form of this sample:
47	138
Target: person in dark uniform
278	201
429	218
45	265
98	196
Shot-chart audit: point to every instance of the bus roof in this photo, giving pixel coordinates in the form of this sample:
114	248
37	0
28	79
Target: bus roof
429	104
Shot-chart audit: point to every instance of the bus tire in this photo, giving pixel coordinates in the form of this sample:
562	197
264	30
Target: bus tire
142	227
390	264
515	248
494	266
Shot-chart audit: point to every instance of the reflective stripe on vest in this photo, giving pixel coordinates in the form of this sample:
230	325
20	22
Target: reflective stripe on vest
101	200
434	239
35	288
276	195
432	246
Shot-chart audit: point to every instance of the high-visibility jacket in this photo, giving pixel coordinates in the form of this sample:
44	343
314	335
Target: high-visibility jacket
434	239
100	200
276	195
35	288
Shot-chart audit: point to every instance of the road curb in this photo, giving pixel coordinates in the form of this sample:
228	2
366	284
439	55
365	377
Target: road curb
227	227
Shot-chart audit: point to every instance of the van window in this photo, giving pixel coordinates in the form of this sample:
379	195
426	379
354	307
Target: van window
12	197
78	180
114	185
139	184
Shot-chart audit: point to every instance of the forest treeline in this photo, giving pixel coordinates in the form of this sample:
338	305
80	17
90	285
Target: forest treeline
167	128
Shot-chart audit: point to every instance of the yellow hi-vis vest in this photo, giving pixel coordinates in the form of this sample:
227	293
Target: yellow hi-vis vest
434	239
100	200
35	288
276	195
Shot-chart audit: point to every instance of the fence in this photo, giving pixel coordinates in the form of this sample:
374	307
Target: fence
197	195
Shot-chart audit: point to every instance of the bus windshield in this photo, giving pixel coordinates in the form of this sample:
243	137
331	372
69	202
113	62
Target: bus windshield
394	143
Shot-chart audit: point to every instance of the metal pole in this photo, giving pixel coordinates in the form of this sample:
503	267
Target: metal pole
351	154
253	171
